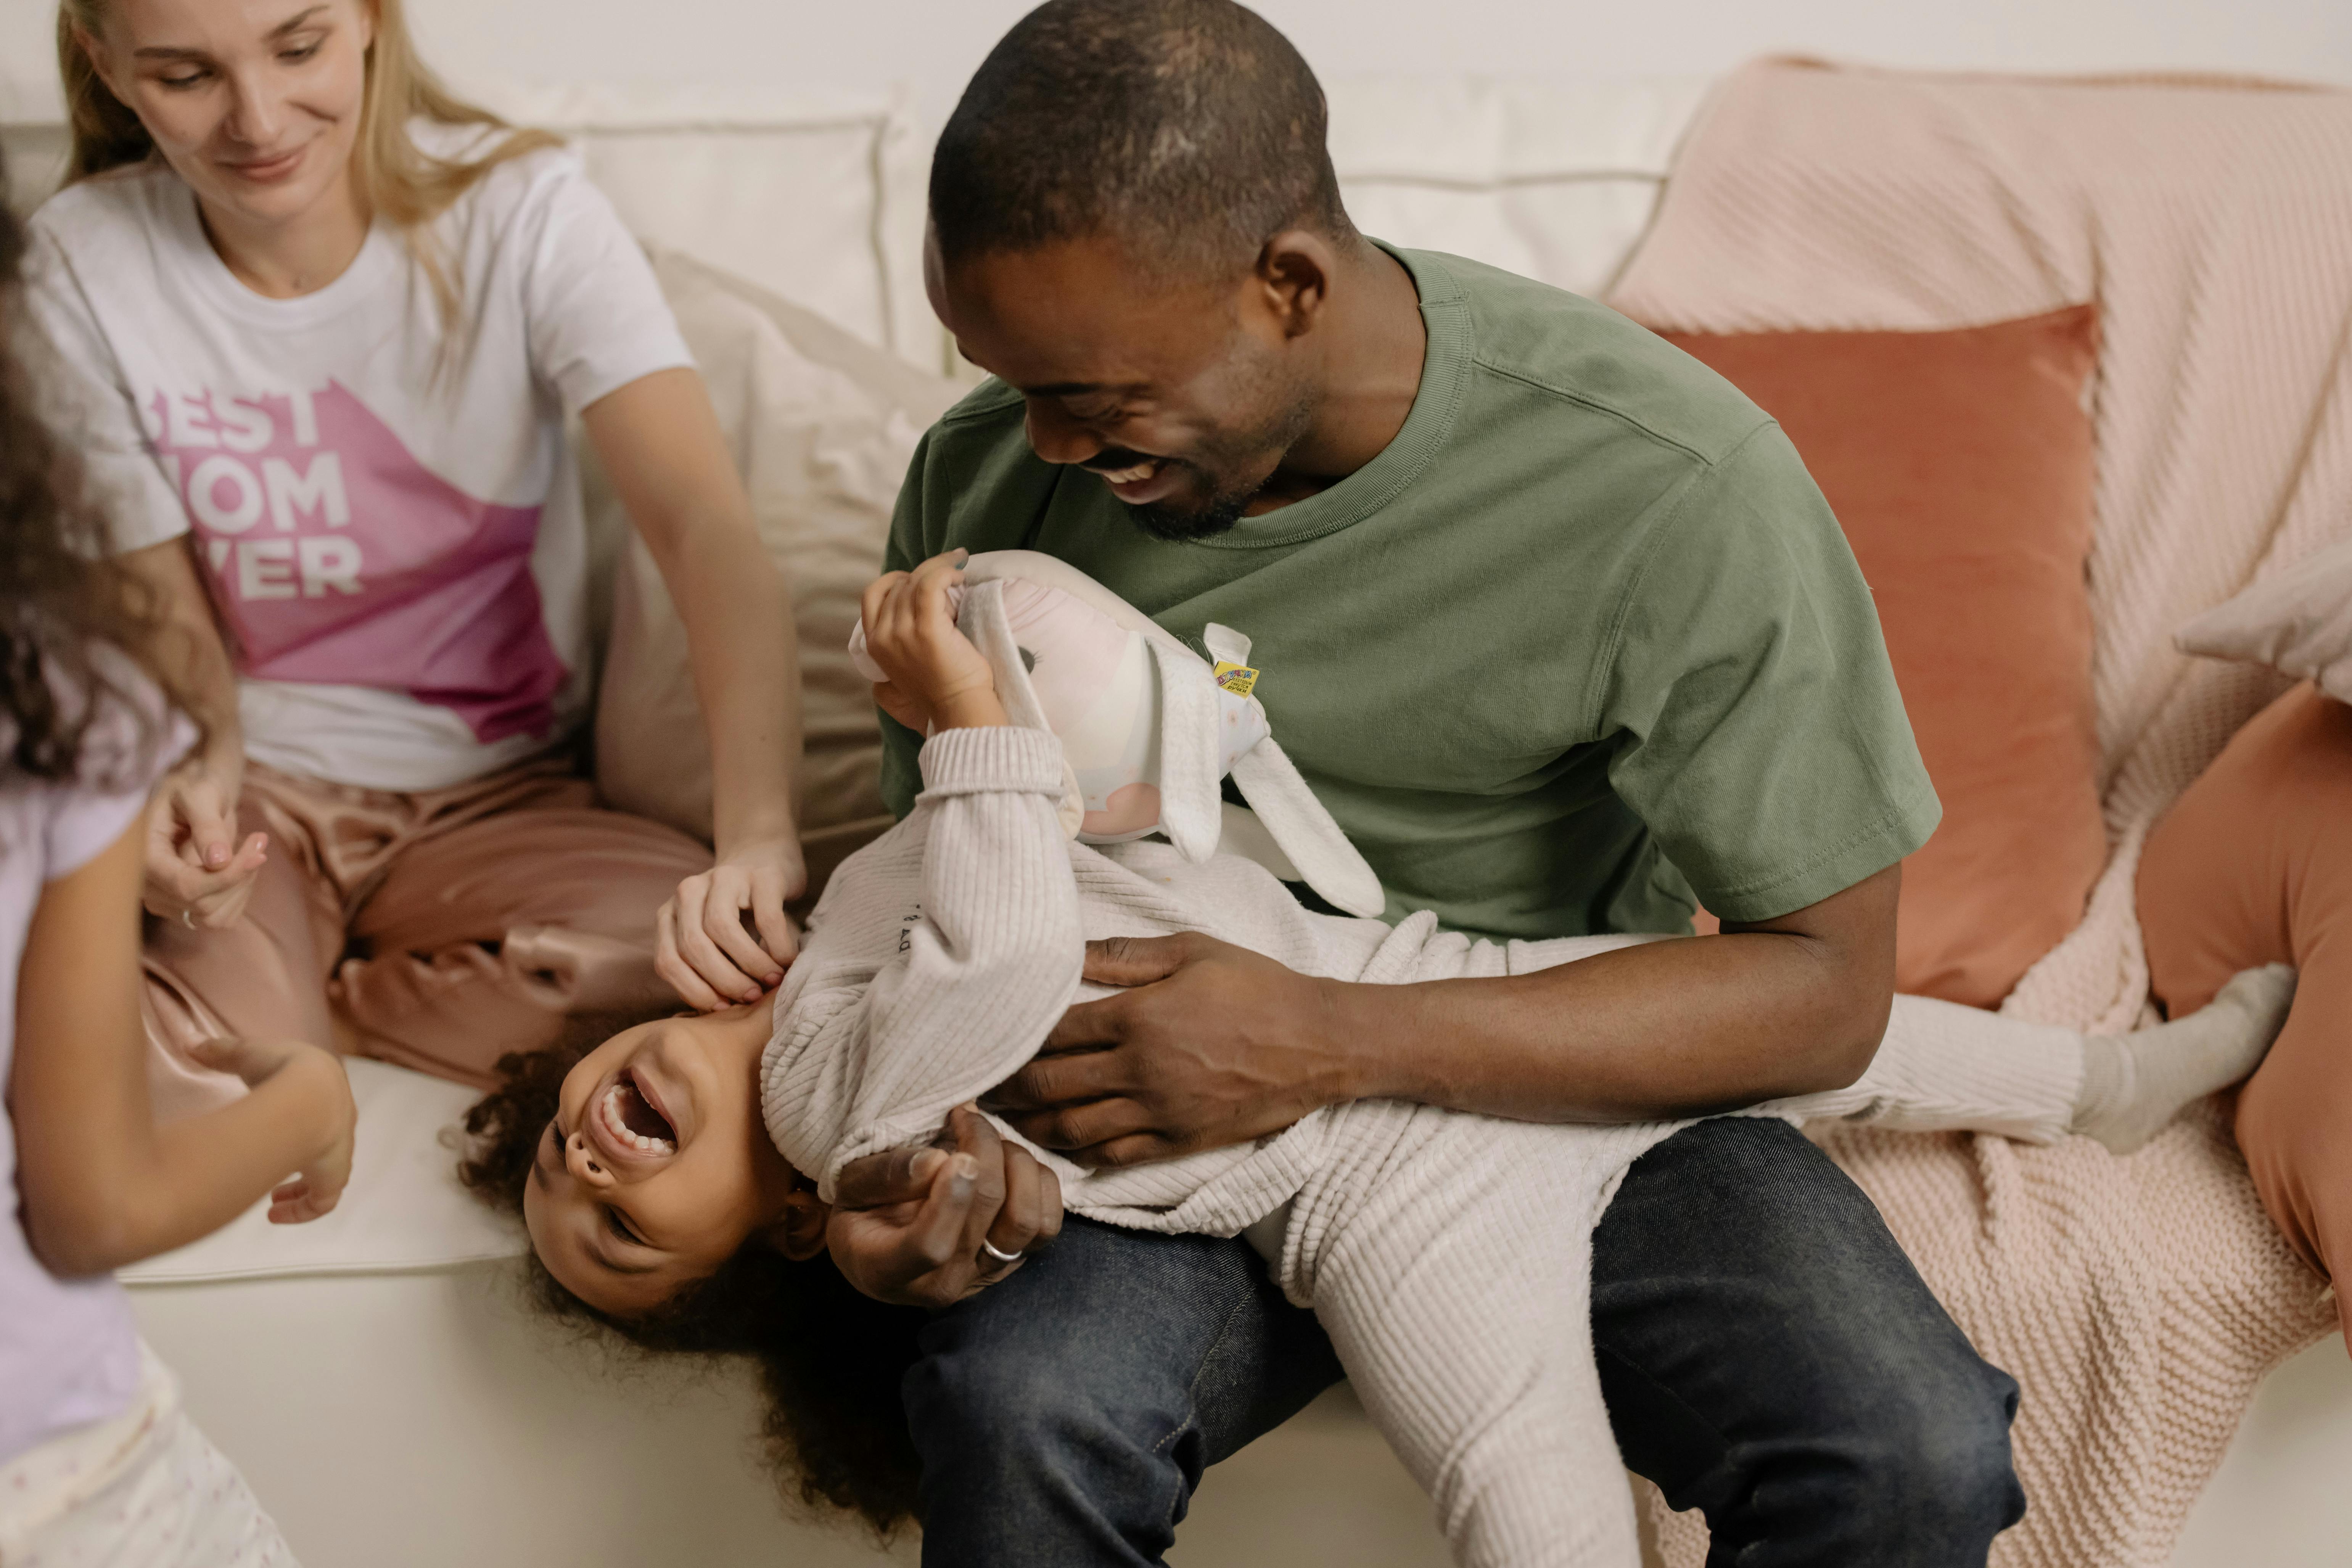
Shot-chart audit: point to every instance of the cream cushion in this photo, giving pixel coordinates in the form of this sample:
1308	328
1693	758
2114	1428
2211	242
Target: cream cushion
2298	621
810	193
823	426
403	1212
1555	181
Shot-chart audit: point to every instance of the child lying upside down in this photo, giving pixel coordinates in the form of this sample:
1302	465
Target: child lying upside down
1446	1254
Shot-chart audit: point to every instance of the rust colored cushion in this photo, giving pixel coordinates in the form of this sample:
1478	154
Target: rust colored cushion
1959	463
2254	865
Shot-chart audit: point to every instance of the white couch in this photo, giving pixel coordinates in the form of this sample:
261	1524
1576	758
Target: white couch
376	1375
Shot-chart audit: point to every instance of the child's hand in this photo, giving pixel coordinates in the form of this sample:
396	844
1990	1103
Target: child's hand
937	679
317	1186
198	872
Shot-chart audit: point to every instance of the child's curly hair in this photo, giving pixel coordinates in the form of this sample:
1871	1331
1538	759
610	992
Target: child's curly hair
829	1358
65	604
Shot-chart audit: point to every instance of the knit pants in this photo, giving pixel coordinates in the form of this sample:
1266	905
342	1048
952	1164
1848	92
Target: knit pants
141	1489
1449	1257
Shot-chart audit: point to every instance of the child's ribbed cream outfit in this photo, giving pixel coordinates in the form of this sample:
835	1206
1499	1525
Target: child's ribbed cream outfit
1447	1255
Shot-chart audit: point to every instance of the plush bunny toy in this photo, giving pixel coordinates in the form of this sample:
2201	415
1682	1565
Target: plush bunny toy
1148	729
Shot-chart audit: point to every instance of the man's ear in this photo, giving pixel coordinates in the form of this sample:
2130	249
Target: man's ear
1293	274
799	1235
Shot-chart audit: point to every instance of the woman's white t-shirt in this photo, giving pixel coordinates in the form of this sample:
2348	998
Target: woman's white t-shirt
392	533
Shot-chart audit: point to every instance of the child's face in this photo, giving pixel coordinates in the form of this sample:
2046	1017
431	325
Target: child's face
657	1167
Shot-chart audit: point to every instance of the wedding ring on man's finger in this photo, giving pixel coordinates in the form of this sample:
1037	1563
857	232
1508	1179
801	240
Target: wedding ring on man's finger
188	917
997	1254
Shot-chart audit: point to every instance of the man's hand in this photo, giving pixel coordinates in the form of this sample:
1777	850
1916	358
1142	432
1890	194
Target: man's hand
197	872
907	1224
1215	1045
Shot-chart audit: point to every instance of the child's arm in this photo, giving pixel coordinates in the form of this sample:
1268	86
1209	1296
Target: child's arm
102	1186
946	983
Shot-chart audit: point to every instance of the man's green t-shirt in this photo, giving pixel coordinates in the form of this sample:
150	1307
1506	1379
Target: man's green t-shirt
1584	639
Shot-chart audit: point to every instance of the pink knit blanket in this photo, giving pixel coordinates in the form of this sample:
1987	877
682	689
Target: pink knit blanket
2139	1300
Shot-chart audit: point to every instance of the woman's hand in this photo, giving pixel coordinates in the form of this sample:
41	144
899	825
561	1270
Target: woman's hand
908	1225
937	679
317	1186
703	946
197	872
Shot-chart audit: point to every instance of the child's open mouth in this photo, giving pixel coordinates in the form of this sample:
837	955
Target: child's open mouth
630	1118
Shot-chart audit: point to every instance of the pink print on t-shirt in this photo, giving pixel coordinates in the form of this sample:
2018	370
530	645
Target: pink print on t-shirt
339	558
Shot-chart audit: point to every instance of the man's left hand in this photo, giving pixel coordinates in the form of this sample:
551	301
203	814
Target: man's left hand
1212	1045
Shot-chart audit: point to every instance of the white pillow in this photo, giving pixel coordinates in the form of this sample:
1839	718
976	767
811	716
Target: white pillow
1553	180
824	426
403	1212
2299	622
816	193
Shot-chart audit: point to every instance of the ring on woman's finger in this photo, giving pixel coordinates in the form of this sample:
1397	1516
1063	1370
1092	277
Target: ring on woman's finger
991	1254
188	916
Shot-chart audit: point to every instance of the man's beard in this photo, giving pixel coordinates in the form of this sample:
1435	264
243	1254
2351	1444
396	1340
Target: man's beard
1227	503
1224	509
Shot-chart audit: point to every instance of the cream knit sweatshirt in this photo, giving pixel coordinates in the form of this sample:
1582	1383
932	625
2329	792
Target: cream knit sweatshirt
941	954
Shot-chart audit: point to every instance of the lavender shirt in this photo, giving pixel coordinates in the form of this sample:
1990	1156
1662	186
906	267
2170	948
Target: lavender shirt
68	1354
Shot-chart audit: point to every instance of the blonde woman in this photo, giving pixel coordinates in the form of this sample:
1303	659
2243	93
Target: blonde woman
318	325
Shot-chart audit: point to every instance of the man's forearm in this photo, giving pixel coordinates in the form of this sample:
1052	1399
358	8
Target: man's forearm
1207	1043
1668	1028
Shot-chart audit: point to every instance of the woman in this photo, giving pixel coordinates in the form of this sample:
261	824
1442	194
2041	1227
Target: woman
319	324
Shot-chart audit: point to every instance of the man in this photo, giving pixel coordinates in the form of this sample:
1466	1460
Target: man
1559	629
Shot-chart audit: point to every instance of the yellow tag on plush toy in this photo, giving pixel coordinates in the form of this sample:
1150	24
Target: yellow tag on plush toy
1238	679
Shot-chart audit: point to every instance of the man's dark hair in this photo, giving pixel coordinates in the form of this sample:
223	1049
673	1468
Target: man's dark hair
1189	128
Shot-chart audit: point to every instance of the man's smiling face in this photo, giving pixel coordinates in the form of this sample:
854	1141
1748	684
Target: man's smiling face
1183	396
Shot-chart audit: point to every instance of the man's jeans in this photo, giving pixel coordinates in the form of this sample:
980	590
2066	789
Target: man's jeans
1768	1352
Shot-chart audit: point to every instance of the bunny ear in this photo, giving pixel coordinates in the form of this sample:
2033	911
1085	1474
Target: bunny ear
982	618
1289	811
1190	766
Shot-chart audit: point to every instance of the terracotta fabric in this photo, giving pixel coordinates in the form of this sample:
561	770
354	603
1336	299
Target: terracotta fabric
438	929
2254	865
1960	465
2139	1301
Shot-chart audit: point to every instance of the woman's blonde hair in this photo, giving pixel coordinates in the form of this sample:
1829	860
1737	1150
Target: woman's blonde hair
396	179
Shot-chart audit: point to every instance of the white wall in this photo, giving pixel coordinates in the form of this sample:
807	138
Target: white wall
937	43
934	44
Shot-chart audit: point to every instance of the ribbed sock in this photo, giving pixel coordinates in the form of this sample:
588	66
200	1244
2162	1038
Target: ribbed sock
2133	1084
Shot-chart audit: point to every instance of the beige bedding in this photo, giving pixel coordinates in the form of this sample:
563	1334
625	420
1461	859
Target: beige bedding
2139	1300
